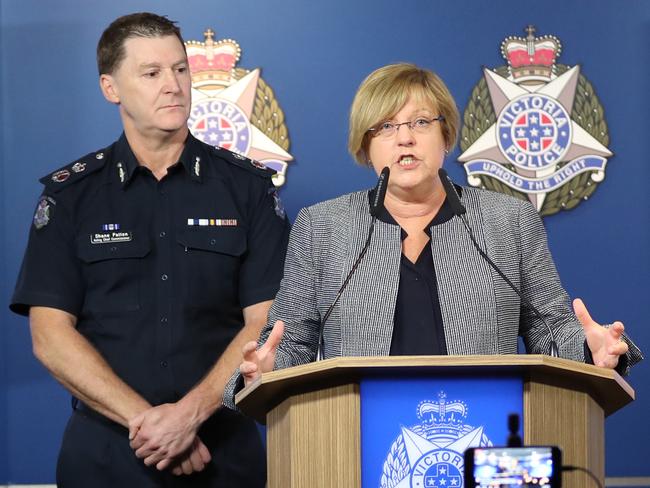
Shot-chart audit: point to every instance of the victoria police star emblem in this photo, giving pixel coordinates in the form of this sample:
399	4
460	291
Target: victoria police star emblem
430	454
234	108
535	129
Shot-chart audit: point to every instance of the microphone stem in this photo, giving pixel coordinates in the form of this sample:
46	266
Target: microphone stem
319	352
553	349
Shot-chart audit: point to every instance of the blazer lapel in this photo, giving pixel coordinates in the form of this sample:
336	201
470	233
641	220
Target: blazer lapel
368	304
466	290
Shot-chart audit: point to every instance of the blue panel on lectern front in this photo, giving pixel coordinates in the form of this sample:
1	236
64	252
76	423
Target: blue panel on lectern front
414	432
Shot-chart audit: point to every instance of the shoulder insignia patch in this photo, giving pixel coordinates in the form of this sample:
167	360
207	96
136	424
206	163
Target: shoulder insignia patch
42	214
74	171
277	203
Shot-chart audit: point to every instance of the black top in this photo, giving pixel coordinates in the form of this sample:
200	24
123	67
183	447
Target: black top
157	272
418	327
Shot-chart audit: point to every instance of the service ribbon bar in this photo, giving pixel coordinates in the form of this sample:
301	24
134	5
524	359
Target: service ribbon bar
212	222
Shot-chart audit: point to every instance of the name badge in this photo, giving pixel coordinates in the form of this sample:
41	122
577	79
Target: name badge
109	237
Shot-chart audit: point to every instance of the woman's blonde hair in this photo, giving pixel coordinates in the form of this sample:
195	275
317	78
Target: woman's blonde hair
385	91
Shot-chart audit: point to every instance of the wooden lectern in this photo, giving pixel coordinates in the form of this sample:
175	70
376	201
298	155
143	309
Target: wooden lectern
313	411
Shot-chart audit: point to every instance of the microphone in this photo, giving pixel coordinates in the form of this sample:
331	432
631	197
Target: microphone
452	195
513	431
459	210
376	205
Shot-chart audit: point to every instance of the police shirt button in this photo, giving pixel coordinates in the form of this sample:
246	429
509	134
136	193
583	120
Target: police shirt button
113	248
163	320
213	242
163	364
164	277
163	234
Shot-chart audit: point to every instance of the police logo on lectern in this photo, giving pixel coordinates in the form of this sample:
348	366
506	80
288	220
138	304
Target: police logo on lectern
234	108
430	454
535	129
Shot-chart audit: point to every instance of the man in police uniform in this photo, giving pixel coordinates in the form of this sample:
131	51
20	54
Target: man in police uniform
149	264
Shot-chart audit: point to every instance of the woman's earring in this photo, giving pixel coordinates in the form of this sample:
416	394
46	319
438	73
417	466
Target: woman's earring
446	151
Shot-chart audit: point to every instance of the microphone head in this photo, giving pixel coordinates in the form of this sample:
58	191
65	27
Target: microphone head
380	192
514	440
513	423
452	195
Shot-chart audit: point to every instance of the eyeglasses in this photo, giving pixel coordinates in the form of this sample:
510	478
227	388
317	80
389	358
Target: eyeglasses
421	125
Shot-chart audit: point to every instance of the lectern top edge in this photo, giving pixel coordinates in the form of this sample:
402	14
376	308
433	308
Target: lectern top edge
606	386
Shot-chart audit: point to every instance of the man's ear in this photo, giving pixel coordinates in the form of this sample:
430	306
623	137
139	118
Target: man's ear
109	88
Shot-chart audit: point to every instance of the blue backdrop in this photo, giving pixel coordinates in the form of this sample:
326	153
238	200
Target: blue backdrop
314	55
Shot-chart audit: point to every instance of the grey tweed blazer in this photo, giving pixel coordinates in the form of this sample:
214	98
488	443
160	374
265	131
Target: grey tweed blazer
480	313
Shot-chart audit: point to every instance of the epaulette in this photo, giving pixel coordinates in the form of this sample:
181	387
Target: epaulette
75	171
251	165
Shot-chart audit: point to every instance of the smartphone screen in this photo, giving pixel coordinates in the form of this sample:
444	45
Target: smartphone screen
520	467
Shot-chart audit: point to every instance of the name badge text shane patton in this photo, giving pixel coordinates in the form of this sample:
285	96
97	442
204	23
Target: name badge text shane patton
107	237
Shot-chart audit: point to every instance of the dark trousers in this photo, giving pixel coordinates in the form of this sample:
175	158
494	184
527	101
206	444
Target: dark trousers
95	453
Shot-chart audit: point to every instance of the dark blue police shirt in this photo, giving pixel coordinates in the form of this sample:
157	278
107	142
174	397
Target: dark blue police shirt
157	272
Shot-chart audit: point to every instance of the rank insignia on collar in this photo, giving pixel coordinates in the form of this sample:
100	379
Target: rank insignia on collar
121	172
78	167
197	166
61	176
42	215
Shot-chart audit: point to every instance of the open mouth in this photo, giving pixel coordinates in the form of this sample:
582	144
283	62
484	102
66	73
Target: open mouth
406	161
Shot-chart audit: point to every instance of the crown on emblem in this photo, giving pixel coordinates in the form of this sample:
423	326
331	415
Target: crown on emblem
212	63
442	412
531	59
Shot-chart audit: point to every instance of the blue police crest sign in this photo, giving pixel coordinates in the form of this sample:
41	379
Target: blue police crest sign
430	454
234	108
535	129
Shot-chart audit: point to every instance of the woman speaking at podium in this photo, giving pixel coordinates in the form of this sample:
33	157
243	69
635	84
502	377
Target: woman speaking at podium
422	286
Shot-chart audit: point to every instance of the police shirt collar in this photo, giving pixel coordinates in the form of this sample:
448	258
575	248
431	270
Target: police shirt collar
444	214
126	163
124	160
192	158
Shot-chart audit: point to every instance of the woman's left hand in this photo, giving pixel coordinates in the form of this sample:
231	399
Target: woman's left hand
604	343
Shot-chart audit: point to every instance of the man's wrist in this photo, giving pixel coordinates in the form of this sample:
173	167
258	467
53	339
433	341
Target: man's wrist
199	405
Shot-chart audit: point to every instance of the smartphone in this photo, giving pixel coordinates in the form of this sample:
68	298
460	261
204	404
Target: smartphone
510	467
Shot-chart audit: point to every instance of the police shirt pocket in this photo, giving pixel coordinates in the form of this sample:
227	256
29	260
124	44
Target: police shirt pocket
113	272
222	240
211	266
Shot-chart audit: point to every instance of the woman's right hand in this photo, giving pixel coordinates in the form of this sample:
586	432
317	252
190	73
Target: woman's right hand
257	361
